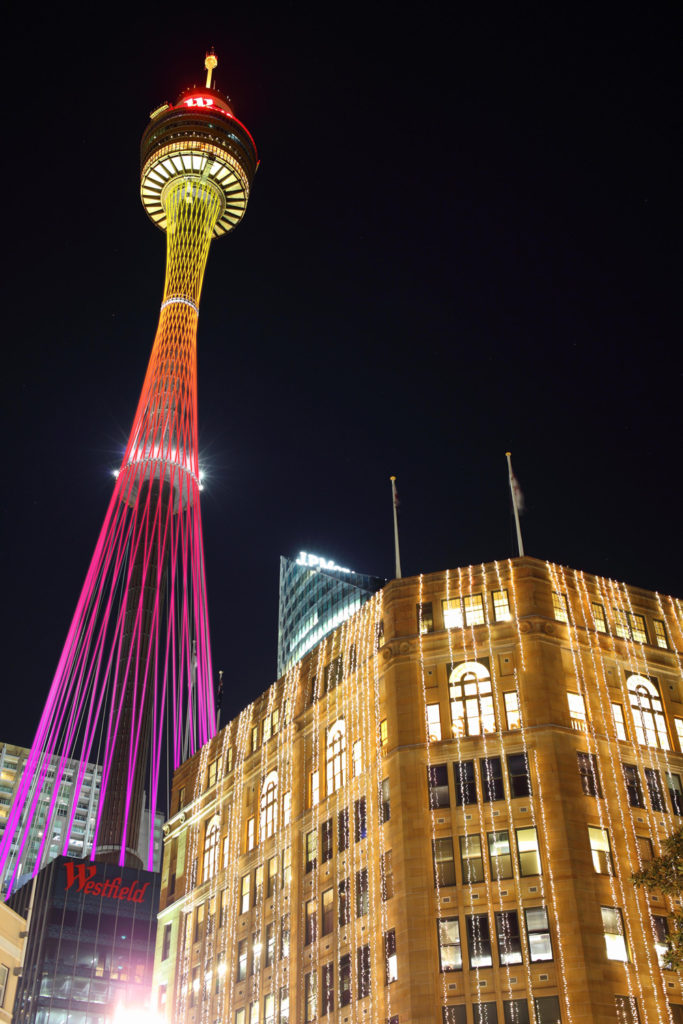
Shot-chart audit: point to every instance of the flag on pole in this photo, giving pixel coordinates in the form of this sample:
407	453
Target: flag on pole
517	502
397	555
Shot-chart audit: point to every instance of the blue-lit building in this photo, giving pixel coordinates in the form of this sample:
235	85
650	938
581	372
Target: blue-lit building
315	597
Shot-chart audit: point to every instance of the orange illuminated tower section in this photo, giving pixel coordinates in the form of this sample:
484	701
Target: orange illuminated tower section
137	655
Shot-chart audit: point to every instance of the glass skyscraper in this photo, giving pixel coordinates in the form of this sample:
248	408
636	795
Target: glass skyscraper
315	597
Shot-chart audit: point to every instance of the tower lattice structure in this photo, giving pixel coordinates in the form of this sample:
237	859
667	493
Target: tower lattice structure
137	654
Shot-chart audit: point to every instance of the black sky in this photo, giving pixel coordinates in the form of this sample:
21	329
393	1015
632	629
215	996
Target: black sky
463	238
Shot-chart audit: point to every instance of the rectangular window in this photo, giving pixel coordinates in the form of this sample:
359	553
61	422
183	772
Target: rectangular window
287	808
529	854
501	606
245	893
344	903
512	715
621	627
425	617
343	830
311	850
251	834
311	922
242	959
194	986
434	722
518	775
229	760
444	864
387	875
588	773
284	1006
212	774
258	884
272	877
383	733
345	980
240	1016
613	927
437	785
454	1015
644	845
538	934
676	1012
653	781
357	759
333	674
599	618
254	738
452	613
471	859
509	939
267	728
491	779
465	783
384	802
560	607
390	959
479	940
661	639
286	867
600	850
516	1011
678	722
660	928
360	819
638	627
362	893
270	944
327	993
627	1010
314	789
328	911
450	949
284	937
165	945
634	789
547	1010
500	856
484	1013
269	1009
619	723
199	922
255	953
673	783
326	832
474	610
311	996
577	711
254	1013
363	962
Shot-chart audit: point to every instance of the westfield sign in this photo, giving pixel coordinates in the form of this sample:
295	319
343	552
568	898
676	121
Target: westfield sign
84	877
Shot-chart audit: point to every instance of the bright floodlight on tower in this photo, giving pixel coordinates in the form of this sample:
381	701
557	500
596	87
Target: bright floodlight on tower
137	654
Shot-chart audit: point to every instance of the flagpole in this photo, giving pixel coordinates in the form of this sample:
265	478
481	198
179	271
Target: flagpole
396	550
511	477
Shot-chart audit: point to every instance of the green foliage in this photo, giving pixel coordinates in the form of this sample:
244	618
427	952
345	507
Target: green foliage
665	874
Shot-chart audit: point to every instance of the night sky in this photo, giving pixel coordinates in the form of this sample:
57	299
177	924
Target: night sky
463	238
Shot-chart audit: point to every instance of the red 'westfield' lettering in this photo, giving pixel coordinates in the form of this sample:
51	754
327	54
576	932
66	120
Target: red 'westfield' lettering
111	889
82	872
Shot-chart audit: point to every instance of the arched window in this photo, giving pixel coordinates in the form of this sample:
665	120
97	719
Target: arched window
648	713
336	756
211	838
471	699
269	806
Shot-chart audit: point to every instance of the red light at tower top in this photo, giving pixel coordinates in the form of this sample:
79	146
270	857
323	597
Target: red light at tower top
136	666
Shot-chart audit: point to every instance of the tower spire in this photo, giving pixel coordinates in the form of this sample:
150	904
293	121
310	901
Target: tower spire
210	62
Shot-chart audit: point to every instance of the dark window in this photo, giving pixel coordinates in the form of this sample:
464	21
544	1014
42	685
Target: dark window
673	783
588	773
390	961
627	1010
384	802
518	775
363	961
166	944
437	784
484	1013
491	779
362	895
345	980
344	903
387	876
360	819
425	617
509	939
516	1011
633	788
547	1010
676	1012
444	864
454	1015
479	940
327	1001
653	781
311	922
464	782
242	959
343	830
327	840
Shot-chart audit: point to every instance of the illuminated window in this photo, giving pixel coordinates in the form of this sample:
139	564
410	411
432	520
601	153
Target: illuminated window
600	850
588	773
538	934
211	839
267	728
471	700
269	806
384	801
212	774
311	996
357	755
363	964
452	613
471	859
634	790
241	1016
284	937
258	885
328	911
425	617
479	940
386	876
613	927
468	611
229	758
272	876
383	733
509	938
648	713
529	853
638	627
362	893
560	607
619	723
678	723
673	783
270	944
434	722
512	709
501	606
287	808
333	674
577	711
474	610
336	756
245	893
444	864
251	834
254	738
314	789
518	775
437	784
390	958
621	627
653	780
242	959
500	857
627	1010
491	779
327	989
311	850
661	639
450	949
269	1009
660	927
599	618
284	1006
465	783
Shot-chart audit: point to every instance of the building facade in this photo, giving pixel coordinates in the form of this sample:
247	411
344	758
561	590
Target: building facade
316	596
12	936
435	816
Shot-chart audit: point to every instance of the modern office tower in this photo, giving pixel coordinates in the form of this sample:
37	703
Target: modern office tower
316	596
436	813
139	641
